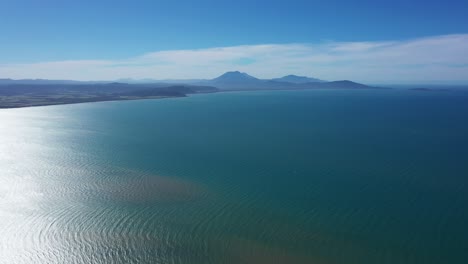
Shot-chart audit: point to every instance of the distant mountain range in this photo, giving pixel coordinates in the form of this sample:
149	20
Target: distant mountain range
233	80
296	79
37	92
242	81
233	76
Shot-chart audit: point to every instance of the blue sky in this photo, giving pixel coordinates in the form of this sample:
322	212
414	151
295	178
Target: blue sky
118	34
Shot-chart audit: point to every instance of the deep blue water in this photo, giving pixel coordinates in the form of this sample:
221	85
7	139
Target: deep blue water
244	177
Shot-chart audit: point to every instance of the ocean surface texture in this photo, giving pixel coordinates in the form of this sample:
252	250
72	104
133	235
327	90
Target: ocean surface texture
313	177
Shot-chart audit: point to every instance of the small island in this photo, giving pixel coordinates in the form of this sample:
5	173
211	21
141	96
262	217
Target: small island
429	90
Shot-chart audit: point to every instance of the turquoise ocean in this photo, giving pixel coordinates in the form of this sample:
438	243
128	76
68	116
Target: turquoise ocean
318	176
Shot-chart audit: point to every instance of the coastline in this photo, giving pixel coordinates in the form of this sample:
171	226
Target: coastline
25	101
88	101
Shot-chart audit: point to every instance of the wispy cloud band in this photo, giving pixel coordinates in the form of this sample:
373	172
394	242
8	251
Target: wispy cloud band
441	58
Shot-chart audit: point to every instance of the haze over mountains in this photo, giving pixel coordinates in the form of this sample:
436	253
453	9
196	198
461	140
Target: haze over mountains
297	79
233	80
242	81
35	92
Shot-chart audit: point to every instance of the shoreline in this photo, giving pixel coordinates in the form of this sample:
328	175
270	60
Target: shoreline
89	102
97	100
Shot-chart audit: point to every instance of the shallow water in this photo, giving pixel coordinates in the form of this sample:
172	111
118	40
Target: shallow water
252	177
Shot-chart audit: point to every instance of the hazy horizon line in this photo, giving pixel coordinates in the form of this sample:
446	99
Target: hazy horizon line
434	59
149	80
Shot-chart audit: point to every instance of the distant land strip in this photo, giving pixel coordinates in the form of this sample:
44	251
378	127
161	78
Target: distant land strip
25	93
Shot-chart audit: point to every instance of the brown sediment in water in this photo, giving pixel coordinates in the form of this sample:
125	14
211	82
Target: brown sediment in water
154	188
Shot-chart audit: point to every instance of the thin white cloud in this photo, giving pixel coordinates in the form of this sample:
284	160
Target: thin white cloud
425	59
